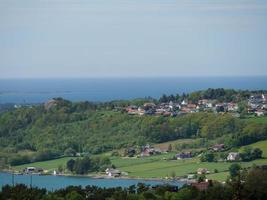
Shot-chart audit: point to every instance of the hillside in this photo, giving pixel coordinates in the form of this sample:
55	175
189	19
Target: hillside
62	127
159	166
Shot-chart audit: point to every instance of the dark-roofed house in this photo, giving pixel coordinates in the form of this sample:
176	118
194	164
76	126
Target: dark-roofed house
183	155
218	147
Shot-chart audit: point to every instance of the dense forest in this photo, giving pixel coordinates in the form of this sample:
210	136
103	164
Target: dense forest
244	184
60	127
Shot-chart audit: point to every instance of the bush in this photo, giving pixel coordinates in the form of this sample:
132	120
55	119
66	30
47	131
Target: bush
207	157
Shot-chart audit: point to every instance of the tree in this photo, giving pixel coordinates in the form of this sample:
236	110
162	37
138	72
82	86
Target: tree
170	148
234	170
70	165
60	168
257	153
207	157
74	196
69	152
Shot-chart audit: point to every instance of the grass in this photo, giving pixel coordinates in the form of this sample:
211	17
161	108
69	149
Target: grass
262	145
160	166
174	142
47	165
261	120
163	168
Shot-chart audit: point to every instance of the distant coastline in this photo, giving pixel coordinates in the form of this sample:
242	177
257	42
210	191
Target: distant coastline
106	89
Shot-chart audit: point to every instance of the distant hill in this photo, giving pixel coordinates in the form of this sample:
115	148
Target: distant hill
94	128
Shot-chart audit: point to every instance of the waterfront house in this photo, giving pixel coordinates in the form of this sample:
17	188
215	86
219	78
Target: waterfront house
233	156
113	172
31	170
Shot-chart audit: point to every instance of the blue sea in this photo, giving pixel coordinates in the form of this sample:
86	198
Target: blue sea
106	89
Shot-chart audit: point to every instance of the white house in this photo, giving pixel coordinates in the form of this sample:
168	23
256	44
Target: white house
233	156
113	172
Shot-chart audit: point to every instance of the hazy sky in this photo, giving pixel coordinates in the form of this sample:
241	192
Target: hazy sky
89	38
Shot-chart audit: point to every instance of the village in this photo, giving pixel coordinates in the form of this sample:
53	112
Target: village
256	104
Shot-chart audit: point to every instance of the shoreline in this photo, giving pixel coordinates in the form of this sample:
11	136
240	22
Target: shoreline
94	176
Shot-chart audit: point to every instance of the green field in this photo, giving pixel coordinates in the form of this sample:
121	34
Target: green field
257	119
160	166
47	165
262	145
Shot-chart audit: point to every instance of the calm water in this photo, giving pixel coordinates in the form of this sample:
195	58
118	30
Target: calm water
36	91
56	182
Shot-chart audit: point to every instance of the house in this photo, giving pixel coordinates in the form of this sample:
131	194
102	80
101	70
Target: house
203	171
264	97
148	151
149	105
31	170
132	110
113	172
206	103
202	185
260	112
190	176
232	107
184	102
218	147
256	99
183	155
233	156
220	107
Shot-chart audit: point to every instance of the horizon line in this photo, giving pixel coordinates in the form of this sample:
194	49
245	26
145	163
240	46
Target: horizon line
126	77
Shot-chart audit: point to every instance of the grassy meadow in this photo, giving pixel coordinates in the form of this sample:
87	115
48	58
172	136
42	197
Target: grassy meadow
47	165
161	166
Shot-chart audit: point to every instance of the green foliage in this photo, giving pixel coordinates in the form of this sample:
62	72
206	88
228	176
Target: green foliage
88	164
70	165
234	170
68	127
207	157
249	153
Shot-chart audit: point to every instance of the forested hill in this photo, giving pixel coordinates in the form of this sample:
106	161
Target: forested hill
88	127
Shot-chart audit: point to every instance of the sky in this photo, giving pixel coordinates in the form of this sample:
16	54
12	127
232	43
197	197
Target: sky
132	38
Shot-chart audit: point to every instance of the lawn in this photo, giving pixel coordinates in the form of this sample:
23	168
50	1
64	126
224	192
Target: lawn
47	165
262	145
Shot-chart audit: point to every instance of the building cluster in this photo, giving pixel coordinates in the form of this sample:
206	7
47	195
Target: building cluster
257	104
149	151
175	108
